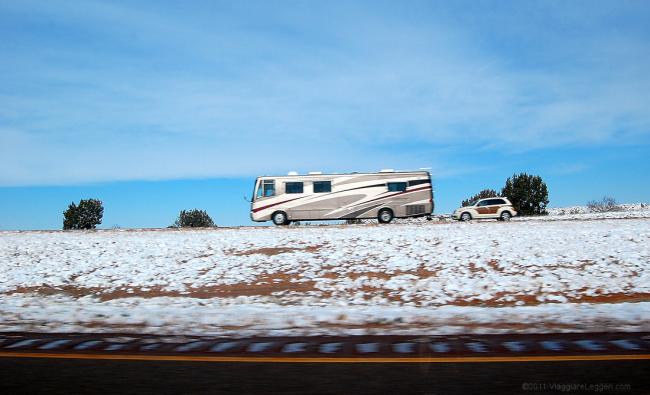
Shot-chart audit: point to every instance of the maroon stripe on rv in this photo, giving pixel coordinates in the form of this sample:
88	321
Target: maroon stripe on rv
398	193
417	189
274	204
384	197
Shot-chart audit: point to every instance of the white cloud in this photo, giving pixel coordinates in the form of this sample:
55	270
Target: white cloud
149	95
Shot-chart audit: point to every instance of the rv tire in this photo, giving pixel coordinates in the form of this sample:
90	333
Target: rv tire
385	215
280	218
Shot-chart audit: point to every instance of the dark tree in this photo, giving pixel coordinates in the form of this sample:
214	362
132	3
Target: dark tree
527	193
194	219
87	215
486	193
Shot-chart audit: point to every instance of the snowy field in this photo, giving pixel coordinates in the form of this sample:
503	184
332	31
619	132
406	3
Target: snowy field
570	272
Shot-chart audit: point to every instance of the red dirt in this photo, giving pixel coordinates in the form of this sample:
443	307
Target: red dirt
281	284
262	286
278	284
276	250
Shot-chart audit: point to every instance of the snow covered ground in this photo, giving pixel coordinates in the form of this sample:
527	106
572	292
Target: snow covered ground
554	273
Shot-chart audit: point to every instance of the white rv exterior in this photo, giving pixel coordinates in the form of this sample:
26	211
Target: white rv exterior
384	195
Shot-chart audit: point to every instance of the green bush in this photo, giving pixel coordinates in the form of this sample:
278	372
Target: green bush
486	193
194	219
87	215
528	194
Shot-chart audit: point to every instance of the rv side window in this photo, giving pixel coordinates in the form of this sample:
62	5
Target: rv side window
322	186
396	186
267	189
418	182
293	187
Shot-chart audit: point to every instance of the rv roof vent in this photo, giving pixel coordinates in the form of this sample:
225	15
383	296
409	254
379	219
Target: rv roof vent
425	168
387	171
292	173
315	172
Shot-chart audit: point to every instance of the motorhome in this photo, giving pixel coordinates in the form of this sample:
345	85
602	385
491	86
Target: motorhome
315	196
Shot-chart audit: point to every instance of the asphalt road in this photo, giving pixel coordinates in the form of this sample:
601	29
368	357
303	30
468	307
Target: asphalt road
70	376
562	363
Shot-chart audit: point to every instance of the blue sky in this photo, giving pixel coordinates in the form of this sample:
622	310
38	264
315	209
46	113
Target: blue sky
158	106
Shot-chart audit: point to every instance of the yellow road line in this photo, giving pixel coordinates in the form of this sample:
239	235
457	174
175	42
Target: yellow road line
198	358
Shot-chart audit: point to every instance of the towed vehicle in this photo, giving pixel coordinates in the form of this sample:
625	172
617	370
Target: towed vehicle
489	208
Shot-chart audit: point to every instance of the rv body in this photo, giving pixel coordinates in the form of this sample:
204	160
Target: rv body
384	195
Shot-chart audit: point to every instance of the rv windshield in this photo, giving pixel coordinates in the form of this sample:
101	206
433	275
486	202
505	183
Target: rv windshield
258	190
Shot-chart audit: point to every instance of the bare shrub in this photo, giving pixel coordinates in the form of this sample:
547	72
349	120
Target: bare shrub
606	204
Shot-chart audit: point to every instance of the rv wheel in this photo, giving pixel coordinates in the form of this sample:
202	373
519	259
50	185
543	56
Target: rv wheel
385	216
280	218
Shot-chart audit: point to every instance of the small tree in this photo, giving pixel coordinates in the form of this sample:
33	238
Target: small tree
194	219
527	193
486	193
604	205
87	215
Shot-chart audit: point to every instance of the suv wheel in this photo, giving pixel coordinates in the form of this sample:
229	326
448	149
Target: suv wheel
465	216
385	216
505	216
280	218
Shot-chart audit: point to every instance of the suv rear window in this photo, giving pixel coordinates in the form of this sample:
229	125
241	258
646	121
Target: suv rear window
293	187
491	202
